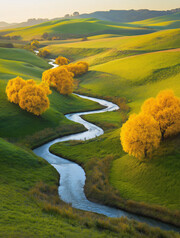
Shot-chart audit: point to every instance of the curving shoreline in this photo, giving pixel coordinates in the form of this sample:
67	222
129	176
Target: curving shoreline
72	181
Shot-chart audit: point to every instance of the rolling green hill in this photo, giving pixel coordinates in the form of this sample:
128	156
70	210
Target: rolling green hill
76	28
161	40
164	22
21	126
98	51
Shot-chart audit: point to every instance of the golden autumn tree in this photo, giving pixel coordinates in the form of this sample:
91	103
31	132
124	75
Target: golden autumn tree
44	53
61	61
35	44
13	87
140	135
59	78
28	94
78	68
165	109
33	98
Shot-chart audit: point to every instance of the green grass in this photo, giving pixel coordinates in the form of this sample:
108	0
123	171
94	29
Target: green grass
98	51
167	39
164	22
135	78
156	181
77	28
139	67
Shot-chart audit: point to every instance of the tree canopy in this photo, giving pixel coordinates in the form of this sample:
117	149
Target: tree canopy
30	96
140	135
59	78
61	61
165	109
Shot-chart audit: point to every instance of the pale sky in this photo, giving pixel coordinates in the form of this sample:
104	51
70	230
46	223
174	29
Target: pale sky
21	10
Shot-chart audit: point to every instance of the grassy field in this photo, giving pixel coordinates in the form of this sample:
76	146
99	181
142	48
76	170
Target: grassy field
21	126
76	28
97	51
160	40
164	22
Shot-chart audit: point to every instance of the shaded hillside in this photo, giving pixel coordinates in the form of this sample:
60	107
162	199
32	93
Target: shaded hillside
165	22
74	28
128	15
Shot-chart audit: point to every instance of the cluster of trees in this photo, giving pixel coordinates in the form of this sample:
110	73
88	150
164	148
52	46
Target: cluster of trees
61	77
33	97
78	68
28	95
158	119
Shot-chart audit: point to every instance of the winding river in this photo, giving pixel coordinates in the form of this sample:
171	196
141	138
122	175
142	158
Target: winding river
72	176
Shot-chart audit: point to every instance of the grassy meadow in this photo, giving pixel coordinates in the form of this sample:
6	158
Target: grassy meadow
164	22
76	28
128	64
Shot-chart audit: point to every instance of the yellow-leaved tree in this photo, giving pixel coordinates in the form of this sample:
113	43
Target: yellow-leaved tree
44	53
34	44
28	95
78	68
13	87
165	109
33	98
140	135
61	61
59	78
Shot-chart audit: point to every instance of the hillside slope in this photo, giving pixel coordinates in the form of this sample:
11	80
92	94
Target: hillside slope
21	126
75	28
164	22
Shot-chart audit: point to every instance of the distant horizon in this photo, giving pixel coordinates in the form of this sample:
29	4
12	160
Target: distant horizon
25	20
15	11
